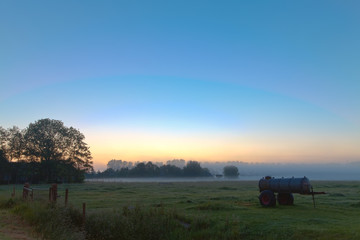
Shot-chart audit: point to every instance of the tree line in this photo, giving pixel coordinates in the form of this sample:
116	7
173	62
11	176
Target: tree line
143	169
191	169
44	152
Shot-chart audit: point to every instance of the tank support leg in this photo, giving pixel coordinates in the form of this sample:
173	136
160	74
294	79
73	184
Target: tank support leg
313	195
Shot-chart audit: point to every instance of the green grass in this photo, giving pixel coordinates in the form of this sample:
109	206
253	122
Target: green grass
3	225
212	210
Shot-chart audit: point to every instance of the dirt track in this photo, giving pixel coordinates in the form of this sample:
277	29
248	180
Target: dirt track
13	228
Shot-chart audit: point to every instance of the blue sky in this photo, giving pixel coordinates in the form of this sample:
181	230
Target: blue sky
207	80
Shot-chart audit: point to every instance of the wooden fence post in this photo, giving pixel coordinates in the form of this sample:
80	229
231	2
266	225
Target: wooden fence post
66	196
54	192
84	211
50	193
26	191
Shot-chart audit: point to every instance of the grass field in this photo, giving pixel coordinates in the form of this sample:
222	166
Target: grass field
222	210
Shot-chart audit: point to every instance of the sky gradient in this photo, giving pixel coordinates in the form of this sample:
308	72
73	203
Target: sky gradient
251	81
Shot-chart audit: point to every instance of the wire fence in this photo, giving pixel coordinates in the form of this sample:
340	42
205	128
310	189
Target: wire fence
51	194
39	194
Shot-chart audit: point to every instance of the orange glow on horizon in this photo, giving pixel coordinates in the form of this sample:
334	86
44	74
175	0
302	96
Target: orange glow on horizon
160	147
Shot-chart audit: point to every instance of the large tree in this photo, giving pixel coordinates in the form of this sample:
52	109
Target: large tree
56	147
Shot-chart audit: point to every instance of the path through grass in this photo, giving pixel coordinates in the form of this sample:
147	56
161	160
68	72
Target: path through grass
13	228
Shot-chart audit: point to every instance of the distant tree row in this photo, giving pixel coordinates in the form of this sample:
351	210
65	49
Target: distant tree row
119	164
46	151
191	169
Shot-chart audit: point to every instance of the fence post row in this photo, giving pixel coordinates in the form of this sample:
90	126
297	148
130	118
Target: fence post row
52	196
52	193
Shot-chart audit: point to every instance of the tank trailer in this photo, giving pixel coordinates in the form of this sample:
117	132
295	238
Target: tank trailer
284	187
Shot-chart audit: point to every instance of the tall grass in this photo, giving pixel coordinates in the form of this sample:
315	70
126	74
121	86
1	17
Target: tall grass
130	223
66	223
49	221
135	223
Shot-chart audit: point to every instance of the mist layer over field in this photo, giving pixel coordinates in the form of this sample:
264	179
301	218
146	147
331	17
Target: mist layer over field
330	171
323	171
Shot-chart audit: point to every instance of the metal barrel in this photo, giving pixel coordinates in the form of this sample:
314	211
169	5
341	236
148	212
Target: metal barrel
285	185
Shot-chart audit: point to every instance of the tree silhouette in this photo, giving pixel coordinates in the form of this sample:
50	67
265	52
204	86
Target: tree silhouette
145	170
56	147
193	169
46	151
231	171
170	171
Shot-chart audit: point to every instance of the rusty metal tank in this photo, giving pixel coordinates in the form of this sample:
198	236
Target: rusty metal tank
285	185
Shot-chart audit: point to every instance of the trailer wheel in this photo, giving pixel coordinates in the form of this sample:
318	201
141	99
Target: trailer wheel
267	198
285	199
